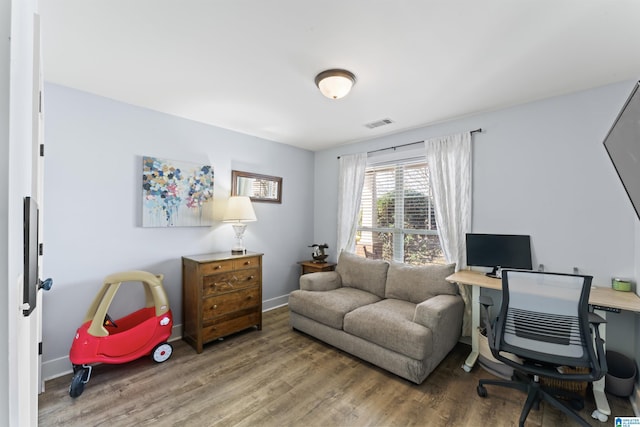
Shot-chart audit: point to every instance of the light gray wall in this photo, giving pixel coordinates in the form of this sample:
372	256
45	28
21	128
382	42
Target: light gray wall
5	31
539	169
93	167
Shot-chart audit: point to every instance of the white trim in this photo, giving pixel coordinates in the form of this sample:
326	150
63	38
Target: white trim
273	303
55	368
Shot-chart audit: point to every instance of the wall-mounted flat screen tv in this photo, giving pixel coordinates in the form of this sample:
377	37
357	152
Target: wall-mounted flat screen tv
623	145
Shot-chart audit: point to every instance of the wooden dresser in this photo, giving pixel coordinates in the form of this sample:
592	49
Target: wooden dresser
221	294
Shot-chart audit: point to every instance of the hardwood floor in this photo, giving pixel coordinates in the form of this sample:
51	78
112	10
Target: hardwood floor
280	377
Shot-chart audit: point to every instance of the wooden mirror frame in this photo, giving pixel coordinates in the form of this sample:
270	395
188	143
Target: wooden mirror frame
236	176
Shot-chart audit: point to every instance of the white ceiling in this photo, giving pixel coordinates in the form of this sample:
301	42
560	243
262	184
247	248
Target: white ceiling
249	65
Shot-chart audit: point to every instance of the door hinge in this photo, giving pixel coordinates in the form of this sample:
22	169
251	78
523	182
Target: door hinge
41	150
40	102
40	348
41	249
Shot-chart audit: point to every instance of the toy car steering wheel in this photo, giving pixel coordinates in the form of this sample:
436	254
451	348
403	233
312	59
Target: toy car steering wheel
108	321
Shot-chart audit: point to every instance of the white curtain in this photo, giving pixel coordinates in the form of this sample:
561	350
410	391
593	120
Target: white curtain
449	162
351	180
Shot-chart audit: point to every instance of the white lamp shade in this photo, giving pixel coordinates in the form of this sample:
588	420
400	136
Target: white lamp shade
239	209
335	84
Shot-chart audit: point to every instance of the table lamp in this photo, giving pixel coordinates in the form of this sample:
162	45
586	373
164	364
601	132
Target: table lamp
239	211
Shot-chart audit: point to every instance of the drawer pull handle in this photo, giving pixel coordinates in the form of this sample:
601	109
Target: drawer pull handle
251	277
247	263
215	306
218	267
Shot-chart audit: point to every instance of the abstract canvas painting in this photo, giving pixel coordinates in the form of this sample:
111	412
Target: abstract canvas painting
176	194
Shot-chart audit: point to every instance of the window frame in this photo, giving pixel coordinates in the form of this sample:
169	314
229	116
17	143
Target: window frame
396	161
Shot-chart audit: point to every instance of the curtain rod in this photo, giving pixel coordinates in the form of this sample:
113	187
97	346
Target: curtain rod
410	143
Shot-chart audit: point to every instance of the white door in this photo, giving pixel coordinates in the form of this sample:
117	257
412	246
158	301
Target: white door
21	386
38	184
30	334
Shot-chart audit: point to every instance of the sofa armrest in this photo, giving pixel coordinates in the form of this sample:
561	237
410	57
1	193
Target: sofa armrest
320	281
442	314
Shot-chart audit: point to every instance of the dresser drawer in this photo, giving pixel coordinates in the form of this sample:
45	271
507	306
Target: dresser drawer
227	327
231	302
228	282
216	267
249	262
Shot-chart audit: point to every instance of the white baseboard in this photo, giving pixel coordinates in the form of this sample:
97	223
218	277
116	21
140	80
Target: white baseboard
276	302
62	366
56	368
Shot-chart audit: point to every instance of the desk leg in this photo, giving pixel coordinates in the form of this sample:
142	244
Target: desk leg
602	411
475	325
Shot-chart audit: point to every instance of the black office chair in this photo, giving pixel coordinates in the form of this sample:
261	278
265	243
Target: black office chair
545	321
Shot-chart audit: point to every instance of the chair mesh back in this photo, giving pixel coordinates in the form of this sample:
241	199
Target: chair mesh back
542	315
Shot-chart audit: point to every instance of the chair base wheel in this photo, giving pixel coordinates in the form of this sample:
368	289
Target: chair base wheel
482	391
599	416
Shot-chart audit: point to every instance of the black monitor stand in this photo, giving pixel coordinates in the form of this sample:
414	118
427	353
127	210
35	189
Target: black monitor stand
493	273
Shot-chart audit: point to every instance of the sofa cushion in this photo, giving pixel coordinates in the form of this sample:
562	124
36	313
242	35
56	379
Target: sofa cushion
389	324
361	273
418	283
329	307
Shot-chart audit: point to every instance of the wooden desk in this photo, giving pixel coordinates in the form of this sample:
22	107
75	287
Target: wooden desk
600	296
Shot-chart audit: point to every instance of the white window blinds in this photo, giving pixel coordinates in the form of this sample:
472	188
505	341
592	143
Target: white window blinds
397	218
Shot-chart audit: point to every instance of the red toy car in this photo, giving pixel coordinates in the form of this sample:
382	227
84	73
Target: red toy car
100	339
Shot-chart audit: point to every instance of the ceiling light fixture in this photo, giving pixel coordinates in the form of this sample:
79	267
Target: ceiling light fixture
335	83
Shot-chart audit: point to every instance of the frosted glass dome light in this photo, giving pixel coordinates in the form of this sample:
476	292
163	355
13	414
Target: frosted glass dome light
335	83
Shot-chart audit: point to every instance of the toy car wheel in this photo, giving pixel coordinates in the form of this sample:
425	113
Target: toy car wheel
77	382
162	352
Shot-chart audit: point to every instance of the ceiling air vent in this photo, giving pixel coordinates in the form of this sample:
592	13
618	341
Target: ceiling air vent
379	123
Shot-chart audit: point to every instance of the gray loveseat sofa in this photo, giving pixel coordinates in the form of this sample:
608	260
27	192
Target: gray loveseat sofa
404	319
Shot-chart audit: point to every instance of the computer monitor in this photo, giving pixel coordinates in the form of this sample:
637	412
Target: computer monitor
499	251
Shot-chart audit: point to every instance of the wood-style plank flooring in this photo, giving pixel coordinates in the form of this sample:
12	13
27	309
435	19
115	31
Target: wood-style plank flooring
281	377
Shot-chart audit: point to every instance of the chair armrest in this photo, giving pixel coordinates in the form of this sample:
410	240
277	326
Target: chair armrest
440	313
485	300
485	303
595	319
320	281
601	366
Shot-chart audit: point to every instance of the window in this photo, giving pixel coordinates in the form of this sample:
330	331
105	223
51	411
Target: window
397	218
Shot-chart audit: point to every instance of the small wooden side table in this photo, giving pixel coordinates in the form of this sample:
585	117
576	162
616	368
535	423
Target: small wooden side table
315	267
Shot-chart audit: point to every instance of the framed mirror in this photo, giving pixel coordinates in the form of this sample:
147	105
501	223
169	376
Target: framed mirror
260	188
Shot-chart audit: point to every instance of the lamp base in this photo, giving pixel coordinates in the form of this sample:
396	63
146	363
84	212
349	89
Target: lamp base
238	247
